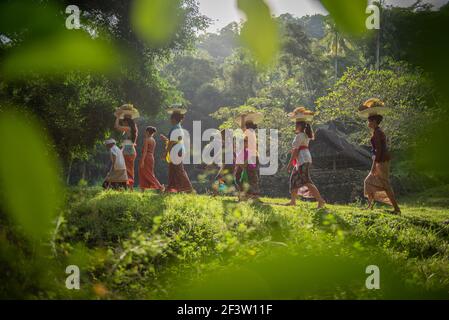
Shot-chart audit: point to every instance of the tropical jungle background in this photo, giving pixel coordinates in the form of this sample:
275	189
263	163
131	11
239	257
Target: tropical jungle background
59	88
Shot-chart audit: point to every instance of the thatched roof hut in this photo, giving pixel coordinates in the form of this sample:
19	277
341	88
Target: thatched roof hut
331	150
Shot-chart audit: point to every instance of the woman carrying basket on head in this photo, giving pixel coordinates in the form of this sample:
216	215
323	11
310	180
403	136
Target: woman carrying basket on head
178	180
247	161
301	159
377	186
124	122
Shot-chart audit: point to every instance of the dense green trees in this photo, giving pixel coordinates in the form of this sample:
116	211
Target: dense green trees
76	106
334	71
221	44
218	71
407	91
71	80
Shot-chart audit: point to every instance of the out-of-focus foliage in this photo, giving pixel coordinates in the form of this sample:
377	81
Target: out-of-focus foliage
259	22
31	191
68	51
118	19
179	246
156	21
154	247
72	79
38	42
349	15
290	276
30	200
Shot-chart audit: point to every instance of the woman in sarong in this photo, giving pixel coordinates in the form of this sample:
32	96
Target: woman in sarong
224	180
247	168
301	159
116	177
147	178
129	129
377	185
178	180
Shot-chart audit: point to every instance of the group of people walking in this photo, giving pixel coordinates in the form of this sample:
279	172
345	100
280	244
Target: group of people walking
242	174
121	174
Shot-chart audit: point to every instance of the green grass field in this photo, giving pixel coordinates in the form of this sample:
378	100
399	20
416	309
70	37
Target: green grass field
152	246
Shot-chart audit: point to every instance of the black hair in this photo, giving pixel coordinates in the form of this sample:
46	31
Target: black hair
177	116
377	117
250	125
151	129
307	129
132	125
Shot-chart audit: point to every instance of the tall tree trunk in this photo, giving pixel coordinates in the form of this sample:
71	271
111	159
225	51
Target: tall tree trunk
69	171
83	175
336	56
378	51
379	34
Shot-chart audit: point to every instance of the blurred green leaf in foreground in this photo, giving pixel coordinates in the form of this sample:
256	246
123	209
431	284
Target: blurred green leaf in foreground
31	192
40	43
349	15
260	33
156	21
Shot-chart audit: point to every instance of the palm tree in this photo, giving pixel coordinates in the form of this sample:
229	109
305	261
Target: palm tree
336	43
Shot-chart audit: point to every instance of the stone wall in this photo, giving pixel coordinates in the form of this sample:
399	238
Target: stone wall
336	186
339	186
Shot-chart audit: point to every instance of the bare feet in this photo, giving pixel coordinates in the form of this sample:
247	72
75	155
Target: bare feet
291	204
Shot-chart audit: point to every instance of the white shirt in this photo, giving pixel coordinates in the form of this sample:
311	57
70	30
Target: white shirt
302	140
119	159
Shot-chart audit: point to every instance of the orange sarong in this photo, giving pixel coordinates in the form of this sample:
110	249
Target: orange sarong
129	162
147	178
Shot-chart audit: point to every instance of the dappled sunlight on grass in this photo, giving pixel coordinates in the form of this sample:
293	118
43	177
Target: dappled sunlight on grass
64	81
150	237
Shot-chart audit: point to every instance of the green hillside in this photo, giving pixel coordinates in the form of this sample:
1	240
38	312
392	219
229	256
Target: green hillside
197	246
